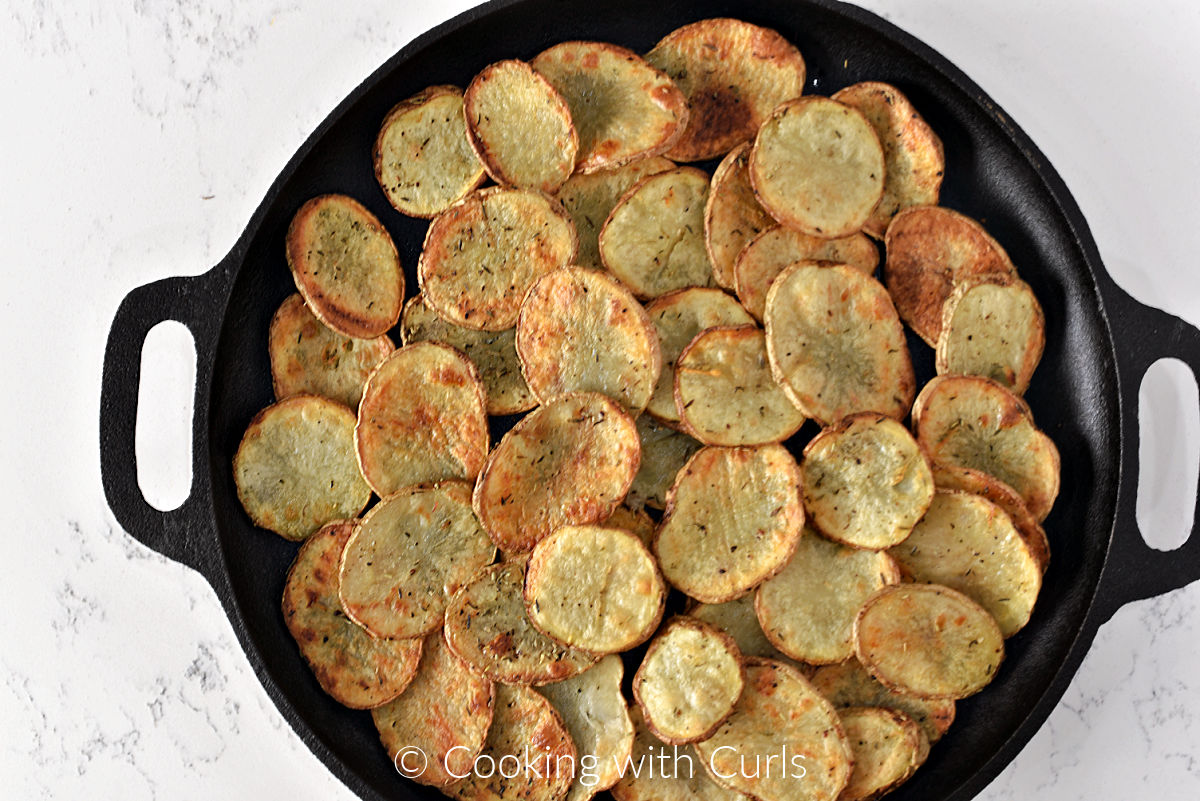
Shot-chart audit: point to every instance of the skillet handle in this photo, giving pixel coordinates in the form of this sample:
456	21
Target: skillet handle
1134	570
182	533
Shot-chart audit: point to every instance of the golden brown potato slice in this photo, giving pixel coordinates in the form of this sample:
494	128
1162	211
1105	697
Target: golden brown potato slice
968	543
817	166
848	684
677	318
930	250
969	421
978	482
580	330
346	266
635	521
520	127
836	344
654	238
866	482
993	326
623	108
494	354
488	628
423	418
688	681
408	555
807	609
887	749
928	641
594	588
445	712
737	619
726	394
308	356
483	253
733	73
912	151
596	717
568	462
732	215
664	452
423	160
780	712
355	668
733	519
765	257
295	469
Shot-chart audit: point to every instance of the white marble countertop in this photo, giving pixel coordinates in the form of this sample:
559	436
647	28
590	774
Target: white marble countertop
137	140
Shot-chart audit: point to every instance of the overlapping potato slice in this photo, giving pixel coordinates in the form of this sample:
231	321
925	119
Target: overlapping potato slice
733	73
968	543
688	681
358	670
684	778
520	127
915	161
594	588
733	518
969	421
635	521
887	748
866	482
346	266
993	326
930	250
664	452
817	166
654	238
412	551
732	215
929	641
780	710
623	108
423	418
488	628
726	394
423	160
978	482
494	354
848	684
483	253
836	344
580	330
445	712
737	619
295	469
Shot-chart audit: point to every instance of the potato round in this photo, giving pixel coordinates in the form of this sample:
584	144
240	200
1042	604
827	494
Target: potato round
726	394
494	354
684	779
580	330
978	482
412	551
848	684
483	253
358	670
887	749
568	462
664	452
423	418
836	344
930	250
446	712
688	681
488	628
677	317
780	710
733	73
520	127
866	482
928	641
817	166
594	588
654	238
732	215
295	469
423	160
912	151
733	519
346	266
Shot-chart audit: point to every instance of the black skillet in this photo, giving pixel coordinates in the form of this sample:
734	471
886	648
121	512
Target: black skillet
1084	394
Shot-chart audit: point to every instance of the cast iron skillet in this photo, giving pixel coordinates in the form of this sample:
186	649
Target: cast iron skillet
1084	394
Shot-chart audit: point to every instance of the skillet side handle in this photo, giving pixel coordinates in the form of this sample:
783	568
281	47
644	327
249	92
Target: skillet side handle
1135	571
182	533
